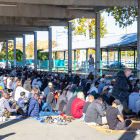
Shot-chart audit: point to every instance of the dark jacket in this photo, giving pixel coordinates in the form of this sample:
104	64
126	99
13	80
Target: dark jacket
51	100
69	104
120	87
33	110
61	98
94	112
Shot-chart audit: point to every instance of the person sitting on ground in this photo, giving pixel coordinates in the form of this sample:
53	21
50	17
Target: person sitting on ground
138	106
95	87
4	83
101	85
14	73
77	105
9	83
69	104
47	89
114	118
110	90
71	91
27	84
33	110
95	112
90	76
130	83
22	102
104	96
96	79
4	105
132	100
16	83
1	91
113	82
51	98
18	90
5	109
104	76
61	98
90	100
87	89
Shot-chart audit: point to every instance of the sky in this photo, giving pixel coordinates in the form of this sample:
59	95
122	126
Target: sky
60	33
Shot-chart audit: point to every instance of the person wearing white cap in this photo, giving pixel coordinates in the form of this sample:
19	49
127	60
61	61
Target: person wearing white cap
47	89
110	90
101	85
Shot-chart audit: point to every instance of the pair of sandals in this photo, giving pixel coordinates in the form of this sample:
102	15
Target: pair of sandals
69	118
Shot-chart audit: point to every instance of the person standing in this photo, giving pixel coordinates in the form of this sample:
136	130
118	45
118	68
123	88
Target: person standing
120	88
91	63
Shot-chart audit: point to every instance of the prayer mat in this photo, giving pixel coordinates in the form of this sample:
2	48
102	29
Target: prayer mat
105	129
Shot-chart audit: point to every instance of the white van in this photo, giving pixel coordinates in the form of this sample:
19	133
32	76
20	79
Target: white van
3	65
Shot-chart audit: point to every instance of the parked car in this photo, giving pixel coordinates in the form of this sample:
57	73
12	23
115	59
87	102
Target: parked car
115	65
3	64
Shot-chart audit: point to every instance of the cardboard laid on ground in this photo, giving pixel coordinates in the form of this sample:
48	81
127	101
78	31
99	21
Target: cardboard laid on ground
133	127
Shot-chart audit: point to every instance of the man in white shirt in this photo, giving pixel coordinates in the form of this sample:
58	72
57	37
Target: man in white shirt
18	90
132	100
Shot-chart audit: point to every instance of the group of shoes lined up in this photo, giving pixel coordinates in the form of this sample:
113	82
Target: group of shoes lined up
59	121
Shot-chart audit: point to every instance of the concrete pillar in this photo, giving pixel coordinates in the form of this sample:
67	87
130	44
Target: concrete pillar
107	57
14	52
64	60
138	42
23	50
50	49
74	60
35	51
119	58
69	47
97	43
101	61
134	59
87	54
55	61
7	54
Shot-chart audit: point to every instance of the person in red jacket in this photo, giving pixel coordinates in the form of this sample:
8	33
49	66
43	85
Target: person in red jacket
77	105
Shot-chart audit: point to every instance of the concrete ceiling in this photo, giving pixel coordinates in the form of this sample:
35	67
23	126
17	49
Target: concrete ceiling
26	16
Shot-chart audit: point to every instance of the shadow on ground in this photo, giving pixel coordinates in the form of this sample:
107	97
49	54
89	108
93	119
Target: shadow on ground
4	136
8	123
128	136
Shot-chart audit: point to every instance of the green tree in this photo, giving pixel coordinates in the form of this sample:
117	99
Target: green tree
42	56
125	15
80	26
19	55
30	55
3	52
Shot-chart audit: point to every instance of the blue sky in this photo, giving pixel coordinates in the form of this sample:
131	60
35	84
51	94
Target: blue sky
57	31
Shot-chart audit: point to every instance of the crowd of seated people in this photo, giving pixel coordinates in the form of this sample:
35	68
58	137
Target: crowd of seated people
92	100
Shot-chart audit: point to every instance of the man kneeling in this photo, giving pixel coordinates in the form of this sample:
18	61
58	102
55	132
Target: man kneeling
95	113
114	118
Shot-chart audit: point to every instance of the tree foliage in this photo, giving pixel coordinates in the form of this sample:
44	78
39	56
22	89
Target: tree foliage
19	55
81	25
125	15
42	56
